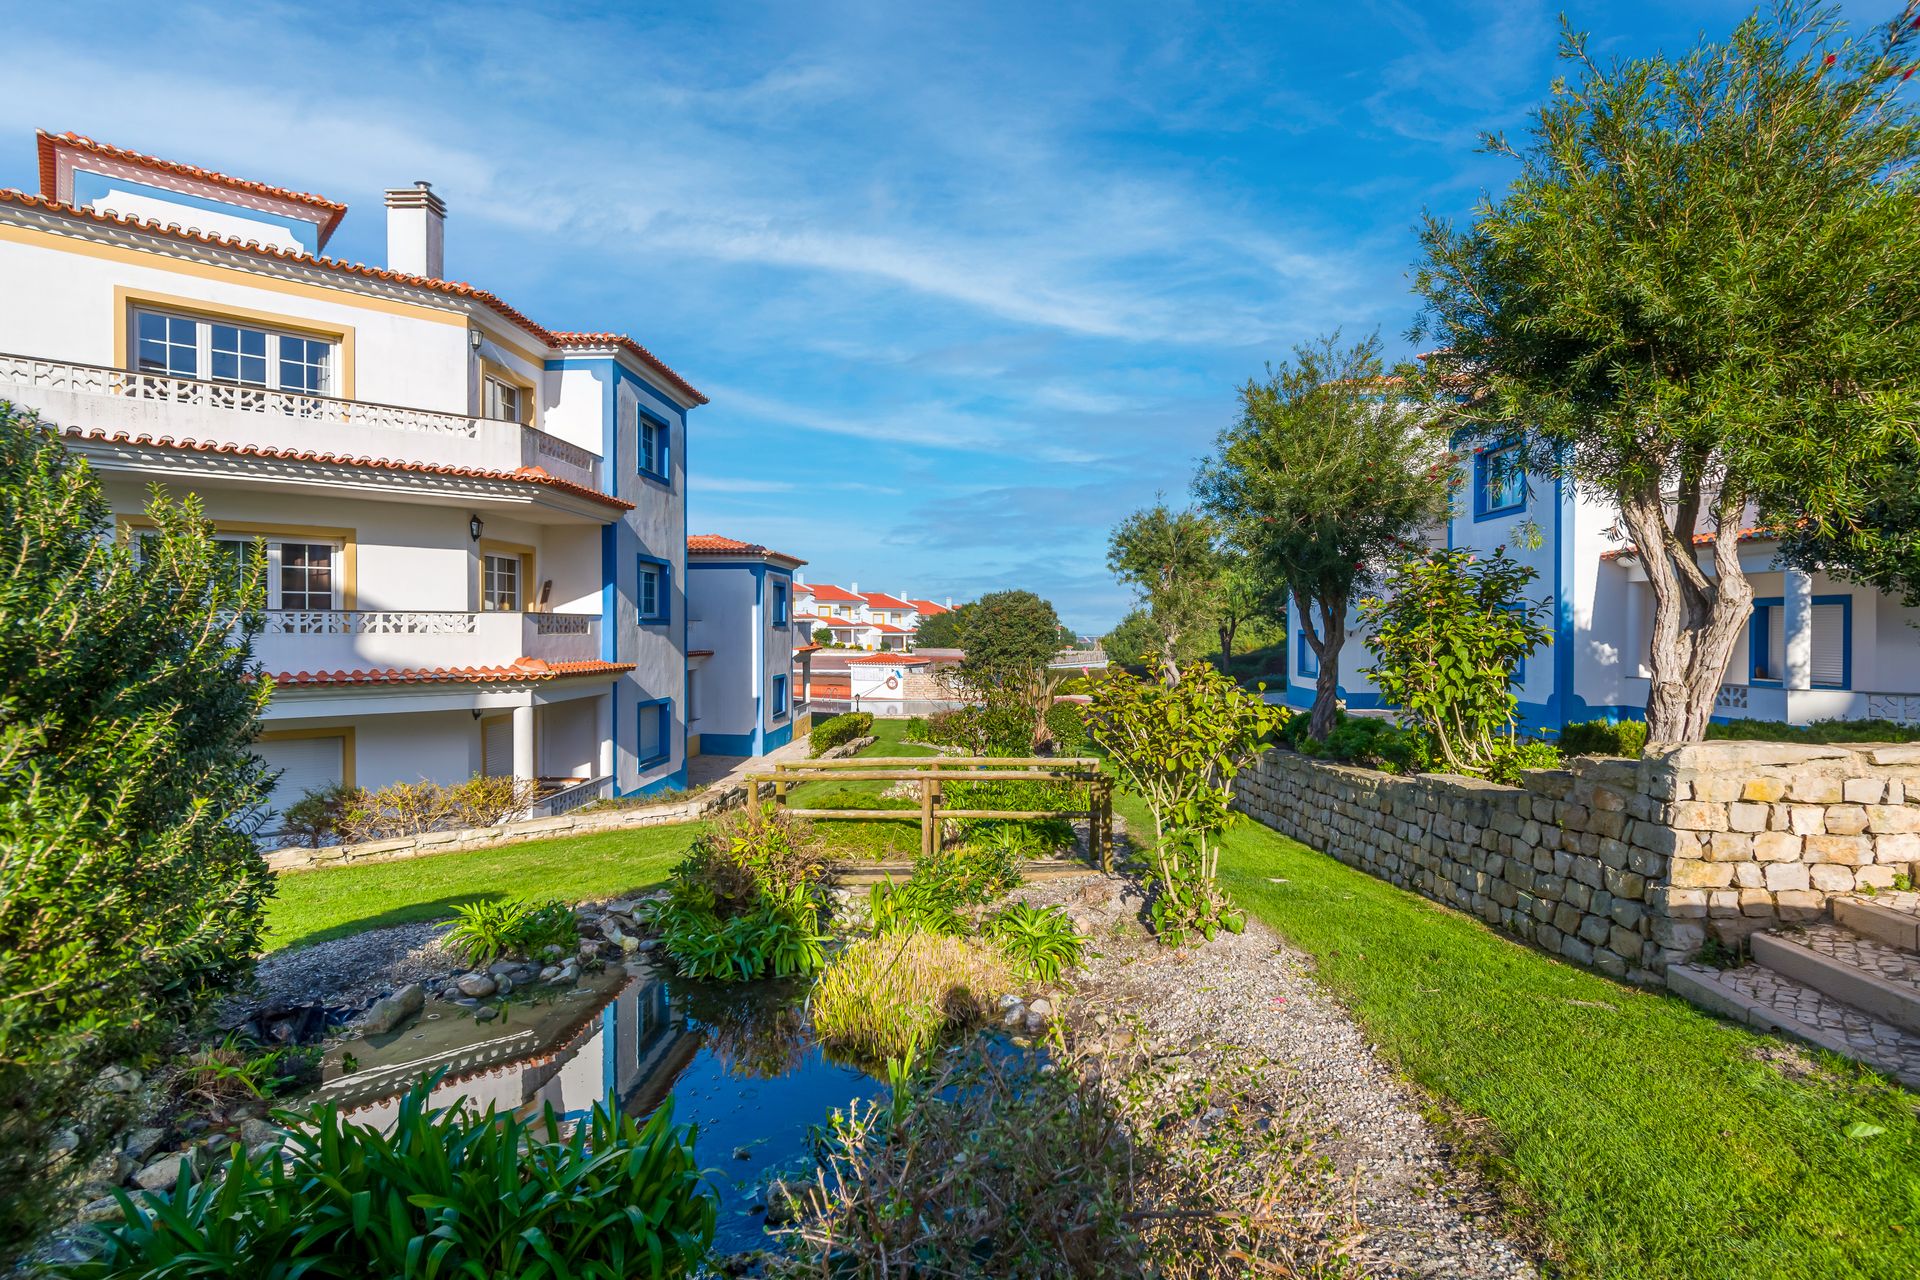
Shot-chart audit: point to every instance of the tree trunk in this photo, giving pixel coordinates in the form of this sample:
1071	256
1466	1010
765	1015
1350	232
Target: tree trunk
1170	658
1226	647
1325	642
1696	618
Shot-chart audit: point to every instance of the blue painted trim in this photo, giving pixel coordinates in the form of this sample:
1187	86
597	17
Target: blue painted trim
662	475
89	186
1309	661
1482	478
728	744
663	594
780	737
1757	629
609	593
610	1050
665	707
780	703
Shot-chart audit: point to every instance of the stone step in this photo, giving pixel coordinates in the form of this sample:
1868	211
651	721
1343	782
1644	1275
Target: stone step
1881	981
1768	1000
1886	918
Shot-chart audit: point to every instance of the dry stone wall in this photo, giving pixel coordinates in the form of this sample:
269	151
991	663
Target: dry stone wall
1623	865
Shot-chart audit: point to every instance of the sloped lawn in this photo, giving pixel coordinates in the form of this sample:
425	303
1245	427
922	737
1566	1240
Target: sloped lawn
1637	1137
867	840
312	906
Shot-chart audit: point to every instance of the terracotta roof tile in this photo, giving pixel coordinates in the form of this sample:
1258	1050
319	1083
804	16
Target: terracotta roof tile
927	608
881	600
827	593
51	142
1755	534
891	659
713	544
520	475
524	669
452	288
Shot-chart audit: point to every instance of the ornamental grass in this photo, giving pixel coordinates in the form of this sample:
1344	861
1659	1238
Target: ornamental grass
884	995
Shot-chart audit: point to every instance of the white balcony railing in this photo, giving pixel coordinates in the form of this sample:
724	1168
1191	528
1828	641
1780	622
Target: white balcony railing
1806	706
378	639
98	396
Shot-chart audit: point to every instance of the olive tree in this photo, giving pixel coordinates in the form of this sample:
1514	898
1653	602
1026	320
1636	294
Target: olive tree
1700	298
1168	558
1332	468
131	894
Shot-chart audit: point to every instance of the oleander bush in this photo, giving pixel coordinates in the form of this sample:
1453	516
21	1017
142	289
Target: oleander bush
1605	738
885	995
448	1192
837	731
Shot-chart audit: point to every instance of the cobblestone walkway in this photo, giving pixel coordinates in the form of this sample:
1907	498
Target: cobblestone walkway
1864	954
1819	1017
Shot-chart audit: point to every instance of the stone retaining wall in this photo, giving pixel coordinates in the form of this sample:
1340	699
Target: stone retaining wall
1623	865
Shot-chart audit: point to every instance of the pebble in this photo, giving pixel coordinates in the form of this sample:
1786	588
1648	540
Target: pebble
485	1013
477	985
141	1143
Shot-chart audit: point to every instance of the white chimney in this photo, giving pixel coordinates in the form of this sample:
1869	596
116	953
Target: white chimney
853	588
417	231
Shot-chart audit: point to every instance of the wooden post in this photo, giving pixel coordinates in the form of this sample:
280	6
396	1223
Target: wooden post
753	804
1093	822
928	839
779	794
1106	826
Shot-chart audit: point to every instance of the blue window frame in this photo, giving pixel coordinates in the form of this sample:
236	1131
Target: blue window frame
1832	649
779	604
656	440
653	591
652	741
1309	662
1499	482
779	696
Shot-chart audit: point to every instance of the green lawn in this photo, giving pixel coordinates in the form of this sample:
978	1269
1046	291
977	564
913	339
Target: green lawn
313	906
872	840
1637	1136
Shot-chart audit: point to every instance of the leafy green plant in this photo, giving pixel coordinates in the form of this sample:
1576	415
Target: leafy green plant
837	731
1039	943
237	1069
1180	747
550	924
1903	879
132	894
315	817
745	902
1820	731
486	929
446	1192
1371	741
1446	637
1520	756
915	905
884	995
1604	738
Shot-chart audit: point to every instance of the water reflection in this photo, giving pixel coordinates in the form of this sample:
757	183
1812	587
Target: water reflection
738	1060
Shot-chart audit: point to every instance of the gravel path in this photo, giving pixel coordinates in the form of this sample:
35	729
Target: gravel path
356	970
1420	1216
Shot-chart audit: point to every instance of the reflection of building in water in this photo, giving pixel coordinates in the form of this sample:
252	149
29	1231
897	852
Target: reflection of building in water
568	1054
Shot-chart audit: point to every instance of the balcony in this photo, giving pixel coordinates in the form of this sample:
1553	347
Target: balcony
379	639
104	398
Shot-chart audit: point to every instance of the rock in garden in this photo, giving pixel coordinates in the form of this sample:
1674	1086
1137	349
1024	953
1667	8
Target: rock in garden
485	1013
569	972
389	1012
105	1209
553	951
1042	1006
782	1205
255	1133
477	985
163	1174
505	986
549	973
619	907
1036	1023
118	1080
1016	1015
141	1143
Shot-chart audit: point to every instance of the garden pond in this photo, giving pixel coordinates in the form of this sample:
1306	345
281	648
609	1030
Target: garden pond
736	1061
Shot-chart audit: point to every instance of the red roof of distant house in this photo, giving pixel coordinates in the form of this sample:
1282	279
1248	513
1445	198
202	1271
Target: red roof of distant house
520	475
50	143
555	337
1699	540
881	600
524	669
891	659
927	608
826	593
889	629
713	544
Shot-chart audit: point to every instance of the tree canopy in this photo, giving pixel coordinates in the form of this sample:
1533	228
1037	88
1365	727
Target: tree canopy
1331	470
1701	297
943	630
1169	559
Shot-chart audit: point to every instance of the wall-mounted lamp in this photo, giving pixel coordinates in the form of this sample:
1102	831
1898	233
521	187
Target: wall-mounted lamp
473	338
476	713
476	526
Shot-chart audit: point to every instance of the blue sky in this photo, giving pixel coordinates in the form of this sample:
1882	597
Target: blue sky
966	283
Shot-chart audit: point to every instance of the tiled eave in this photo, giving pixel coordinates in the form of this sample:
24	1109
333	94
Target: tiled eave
526	671
382	477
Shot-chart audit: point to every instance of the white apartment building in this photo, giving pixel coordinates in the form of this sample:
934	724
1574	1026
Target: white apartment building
475	526
870	620
744	689
1816	647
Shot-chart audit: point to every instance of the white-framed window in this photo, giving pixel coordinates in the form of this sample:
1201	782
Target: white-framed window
232	352
501	400
500	583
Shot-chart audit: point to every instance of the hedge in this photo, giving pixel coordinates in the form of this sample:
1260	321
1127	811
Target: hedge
840	730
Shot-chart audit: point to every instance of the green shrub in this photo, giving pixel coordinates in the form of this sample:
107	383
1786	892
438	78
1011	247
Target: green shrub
837	731
1370	741
1039	943
315	816
1067	722
915	906
746	900
916	730
1605	738
1821	731
885	995
131	891
1520	756
448	1192
487	929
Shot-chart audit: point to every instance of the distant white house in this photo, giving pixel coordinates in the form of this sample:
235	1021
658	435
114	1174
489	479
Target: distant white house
872	620
1816	648
743	682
